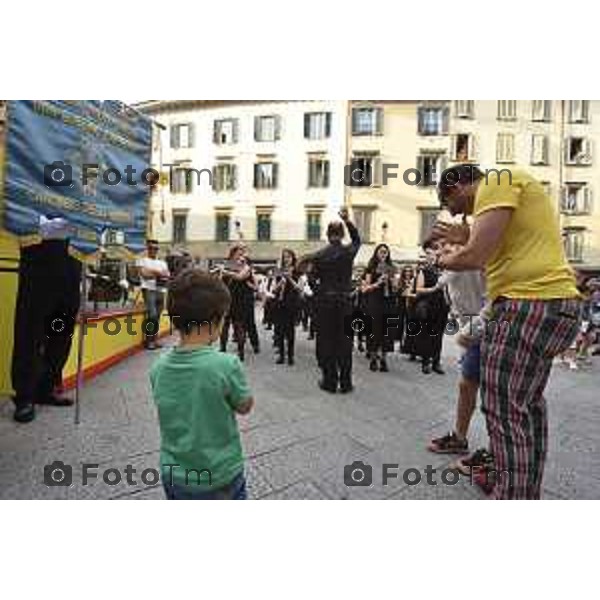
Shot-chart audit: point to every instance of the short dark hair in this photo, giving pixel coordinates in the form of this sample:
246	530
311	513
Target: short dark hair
464	174
152	242
196	297
335	228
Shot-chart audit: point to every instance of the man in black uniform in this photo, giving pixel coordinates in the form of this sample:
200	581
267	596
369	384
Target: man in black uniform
47	304
332	266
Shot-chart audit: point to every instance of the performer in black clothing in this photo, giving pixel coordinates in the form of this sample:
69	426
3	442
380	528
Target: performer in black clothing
287	299
405	286
431	310
333	268
236	274
48	300
250	291
380	295
312	285
267	300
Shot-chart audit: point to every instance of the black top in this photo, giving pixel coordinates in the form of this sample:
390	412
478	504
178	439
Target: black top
333	264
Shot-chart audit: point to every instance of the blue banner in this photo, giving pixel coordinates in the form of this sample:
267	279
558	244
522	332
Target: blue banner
85	161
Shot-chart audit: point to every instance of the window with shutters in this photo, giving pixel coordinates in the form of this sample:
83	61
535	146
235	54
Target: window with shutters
182	181
367	121
428	218
182	135
318	172
267	128
179	227
541	110
539	149
576	199
225	132
579	111
463	147
313	225
365	170
265	175
430	166
432	121
505	148
578	151
363	220
225	177
317	125
507	110
263	226
222	226
574	240
464	109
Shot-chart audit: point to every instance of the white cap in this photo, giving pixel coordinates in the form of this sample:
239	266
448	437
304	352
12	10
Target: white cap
54	229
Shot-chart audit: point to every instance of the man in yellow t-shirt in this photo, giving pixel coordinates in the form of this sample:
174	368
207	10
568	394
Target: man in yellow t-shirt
531	288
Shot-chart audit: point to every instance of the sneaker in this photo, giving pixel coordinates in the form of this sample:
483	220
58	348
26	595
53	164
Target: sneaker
480	459
448	444
573	366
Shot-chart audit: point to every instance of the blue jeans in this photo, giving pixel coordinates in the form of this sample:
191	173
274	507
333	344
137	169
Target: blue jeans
236	490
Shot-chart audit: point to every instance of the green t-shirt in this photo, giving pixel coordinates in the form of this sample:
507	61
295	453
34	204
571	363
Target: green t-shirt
196	392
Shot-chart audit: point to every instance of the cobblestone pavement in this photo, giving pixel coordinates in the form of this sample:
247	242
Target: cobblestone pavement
299	439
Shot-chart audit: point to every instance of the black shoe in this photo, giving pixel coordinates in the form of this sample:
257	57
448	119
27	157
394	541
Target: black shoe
361	347
24	413
291	361
373	364
412	358
426	368
256	349
437	368
311	336
326	388
346	389
241	356
383	366
280	360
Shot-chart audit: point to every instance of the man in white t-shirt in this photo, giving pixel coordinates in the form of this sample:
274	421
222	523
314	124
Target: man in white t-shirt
154	275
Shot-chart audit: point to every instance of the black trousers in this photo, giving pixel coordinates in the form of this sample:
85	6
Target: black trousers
48	299
334	347
250	318
285	332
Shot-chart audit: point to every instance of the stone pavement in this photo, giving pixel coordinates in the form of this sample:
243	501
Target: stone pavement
298	439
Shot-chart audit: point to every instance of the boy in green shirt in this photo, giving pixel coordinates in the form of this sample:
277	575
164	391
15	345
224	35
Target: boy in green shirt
198	391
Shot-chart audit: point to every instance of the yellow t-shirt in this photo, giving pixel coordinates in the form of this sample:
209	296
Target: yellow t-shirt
530	262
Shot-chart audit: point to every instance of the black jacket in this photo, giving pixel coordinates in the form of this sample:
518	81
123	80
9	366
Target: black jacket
333	264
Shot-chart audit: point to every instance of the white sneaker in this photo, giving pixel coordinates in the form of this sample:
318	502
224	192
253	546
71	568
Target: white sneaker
573	366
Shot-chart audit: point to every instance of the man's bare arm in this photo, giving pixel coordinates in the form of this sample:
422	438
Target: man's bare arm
486	236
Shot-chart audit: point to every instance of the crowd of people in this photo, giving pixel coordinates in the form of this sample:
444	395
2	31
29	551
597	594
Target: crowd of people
499	277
